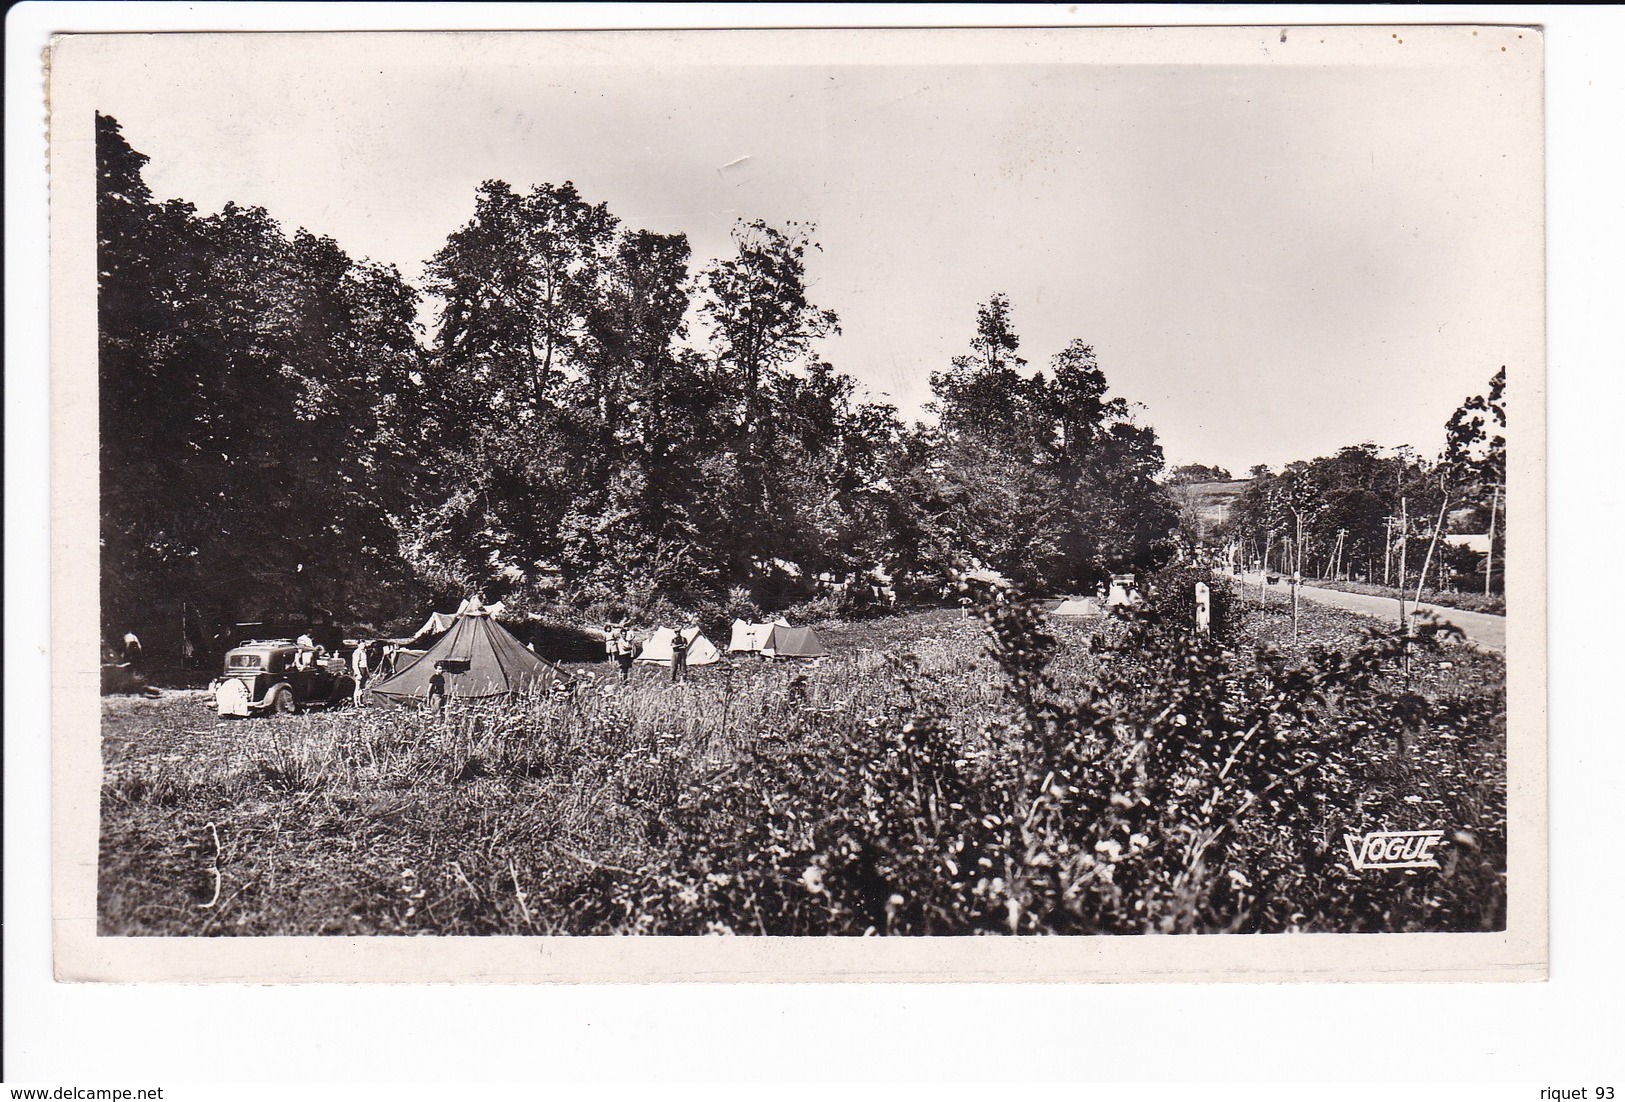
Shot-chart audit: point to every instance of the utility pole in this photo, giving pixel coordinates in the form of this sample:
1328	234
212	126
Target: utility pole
1438	527
1489	560
1387	547
1264	568
1404	530
1297	580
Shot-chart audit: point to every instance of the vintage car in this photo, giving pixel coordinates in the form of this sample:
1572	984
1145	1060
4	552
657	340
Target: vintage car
278	675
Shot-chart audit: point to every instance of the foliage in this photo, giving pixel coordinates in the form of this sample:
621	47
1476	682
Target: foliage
1131	778
253	389
1171	593
1193	473
1042	478
277	431
1352	515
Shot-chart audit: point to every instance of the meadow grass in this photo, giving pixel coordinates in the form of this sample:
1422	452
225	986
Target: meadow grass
568	812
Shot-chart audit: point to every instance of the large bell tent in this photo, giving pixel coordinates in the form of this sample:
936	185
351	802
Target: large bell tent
480	658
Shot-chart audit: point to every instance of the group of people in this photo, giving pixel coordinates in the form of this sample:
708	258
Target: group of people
619	645
371	660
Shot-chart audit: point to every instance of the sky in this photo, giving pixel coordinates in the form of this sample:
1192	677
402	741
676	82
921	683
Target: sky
1275	253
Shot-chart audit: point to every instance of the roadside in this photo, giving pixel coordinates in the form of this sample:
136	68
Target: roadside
1467	602
1481	628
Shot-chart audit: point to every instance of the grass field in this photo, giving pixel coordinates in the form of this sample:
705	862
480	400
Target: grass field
862	793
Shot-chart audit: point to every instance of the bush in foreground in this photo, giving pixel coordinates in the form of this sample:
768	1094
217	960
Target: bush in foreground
1177	791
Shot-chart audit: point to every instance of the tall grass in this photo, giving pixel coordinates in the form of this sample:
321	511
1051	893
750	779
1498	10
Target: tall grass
848	796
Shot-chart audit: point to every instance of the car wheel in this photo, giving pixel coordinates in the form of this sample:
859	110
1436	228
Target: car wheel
282	703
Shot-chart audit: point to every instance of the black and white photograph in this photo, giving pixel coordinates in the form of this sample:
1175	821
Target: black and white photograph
790	488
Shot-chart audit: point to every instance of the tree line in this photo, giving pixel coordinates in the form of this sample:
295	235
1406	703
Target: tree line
594	418
1368	516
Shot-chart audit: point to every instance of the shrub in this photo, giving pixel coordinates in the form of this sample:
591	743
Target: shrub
1172	593
1177	792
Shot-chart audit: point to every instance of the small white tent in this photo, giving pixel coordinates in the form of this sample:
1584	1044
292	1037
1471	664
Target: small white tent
1078	606
751	638
433	628
657	648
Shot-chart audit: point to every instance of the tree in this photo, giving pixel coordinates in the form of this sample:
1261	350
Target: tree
519	285
1044	478
250	389
762	324
1193	473
1475	455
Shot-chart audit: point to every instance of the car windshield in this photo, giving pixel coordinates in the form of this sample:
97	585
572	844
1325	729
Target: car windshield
244	662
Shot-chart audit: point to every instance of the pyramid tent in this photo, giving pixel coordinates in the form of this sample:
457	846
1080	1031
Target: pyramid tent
1078	606
481	660
657	648
789	642
751	637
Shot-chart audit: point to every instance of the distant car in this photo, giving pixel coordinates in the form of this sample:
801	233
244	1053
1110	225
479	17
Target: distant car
280	676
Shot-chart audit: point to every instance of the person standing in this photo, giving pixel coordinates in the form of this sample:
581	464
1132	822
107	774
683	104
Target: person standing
437	688
679	656
358	669
621	649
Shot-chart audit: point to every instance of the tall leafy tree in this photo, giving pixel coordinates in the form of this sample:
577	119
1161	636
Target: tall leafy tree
762	325
1043	477
248	380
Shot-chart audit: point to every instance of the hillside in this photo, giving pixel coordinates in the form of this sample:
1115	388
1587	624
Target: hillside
1210	501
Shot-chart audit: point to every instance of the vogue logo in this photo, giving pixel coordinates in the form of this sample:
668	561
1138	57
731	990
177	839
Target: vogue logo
1394	849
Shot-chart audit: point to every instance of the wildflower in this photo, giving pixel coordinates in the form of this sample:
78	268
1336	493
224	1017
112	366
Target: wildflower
813	878
688	896
1111	847
1139	841
893	902
1238	879
720	879
1413	799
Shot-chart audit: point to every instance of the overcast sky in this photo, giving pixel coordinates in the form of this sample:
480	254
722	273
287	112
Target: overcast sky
1276	258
